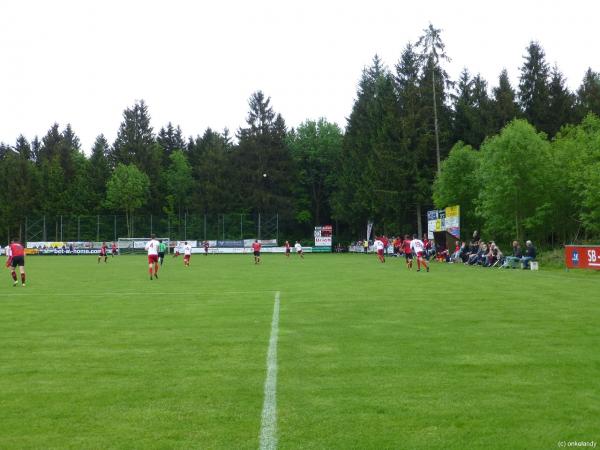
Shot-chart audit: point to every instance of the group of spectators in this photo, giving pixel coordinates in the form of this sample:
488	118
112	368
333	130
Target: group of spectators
487	254
477	252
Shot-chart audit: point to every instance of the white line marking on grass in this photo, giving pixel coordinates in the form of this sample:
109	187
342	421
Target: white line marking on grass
268	425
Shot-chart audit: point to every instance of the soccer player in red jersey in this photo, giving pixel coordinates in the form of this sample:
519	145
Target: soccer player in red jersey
287	249
16	257
114	249
206	245
152	249
103	253
407	251
256	249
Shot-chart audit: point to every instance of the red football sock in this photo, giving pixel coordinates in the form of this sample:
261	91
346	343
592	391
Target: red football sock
14	276
22	278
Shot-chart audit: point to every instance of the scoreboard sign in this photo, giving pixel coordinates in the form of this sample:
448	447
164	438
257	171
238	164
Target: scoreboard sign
582	257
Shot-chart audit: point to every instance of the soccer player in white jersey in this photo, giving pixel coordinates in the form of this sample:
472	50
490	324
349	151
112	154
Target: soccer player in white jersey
379	247
187	254
418	249
152	249
299	250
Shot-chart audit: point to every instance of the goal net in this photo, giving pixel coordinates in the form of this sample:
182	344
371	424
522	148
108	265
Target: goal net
136	245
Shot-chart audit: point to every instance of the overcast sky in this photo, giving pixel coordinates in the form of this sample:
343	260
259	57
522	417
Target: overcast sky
196	63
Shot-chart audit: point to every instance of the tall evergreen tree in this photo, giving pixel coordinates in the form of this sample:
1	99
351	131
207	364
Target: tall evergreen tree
209	156
562	103
427	167
136	144
171	139
135	137
464	109
353	199
412	128
483	107
534	88
504	104
432	50
588	94
99	171
262	159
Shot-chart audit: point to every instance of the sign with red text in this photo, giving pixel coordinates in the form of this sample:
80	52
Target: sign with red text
323	236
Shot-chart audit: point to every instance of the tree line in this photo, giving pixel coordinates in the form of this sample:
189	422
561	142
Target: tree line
518	159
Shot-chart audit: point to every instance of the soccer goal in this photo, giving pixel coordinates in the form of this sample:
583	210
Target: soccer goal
129	246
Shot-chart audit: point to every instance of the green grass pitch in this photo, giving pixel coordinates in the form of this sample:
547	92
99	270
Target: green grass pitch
97	356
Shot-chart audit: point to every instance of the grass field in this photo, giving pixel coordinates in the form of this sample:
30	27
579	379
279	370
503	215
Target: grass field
369	355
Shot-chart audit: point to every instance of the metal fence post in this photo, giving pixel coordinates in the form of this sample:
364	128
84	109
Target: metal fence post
277	227
259	226
150	224
185	227
61	229
26	228
98	228
241	226
44	231
115	226
204	226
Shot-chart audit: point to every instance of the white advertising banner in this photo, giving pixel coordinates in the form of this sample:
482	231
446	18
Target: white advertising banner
323	236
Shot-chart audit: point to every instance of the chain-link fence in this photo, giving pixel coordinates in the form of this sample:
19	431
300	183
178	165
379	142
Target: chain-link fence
189	226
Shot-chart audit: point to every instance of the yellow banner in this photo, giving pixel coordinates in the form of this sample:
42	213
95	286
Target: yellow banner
453	211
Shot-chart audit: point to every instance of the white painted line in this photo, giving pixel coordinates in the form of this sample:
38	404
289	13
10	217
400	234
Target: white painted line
268	425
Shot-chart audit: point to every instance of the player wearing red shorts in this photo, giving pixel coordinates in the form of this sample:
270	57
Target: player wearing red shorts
187	254
379	246
419	248
152	249
287	249
103	253
16	257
